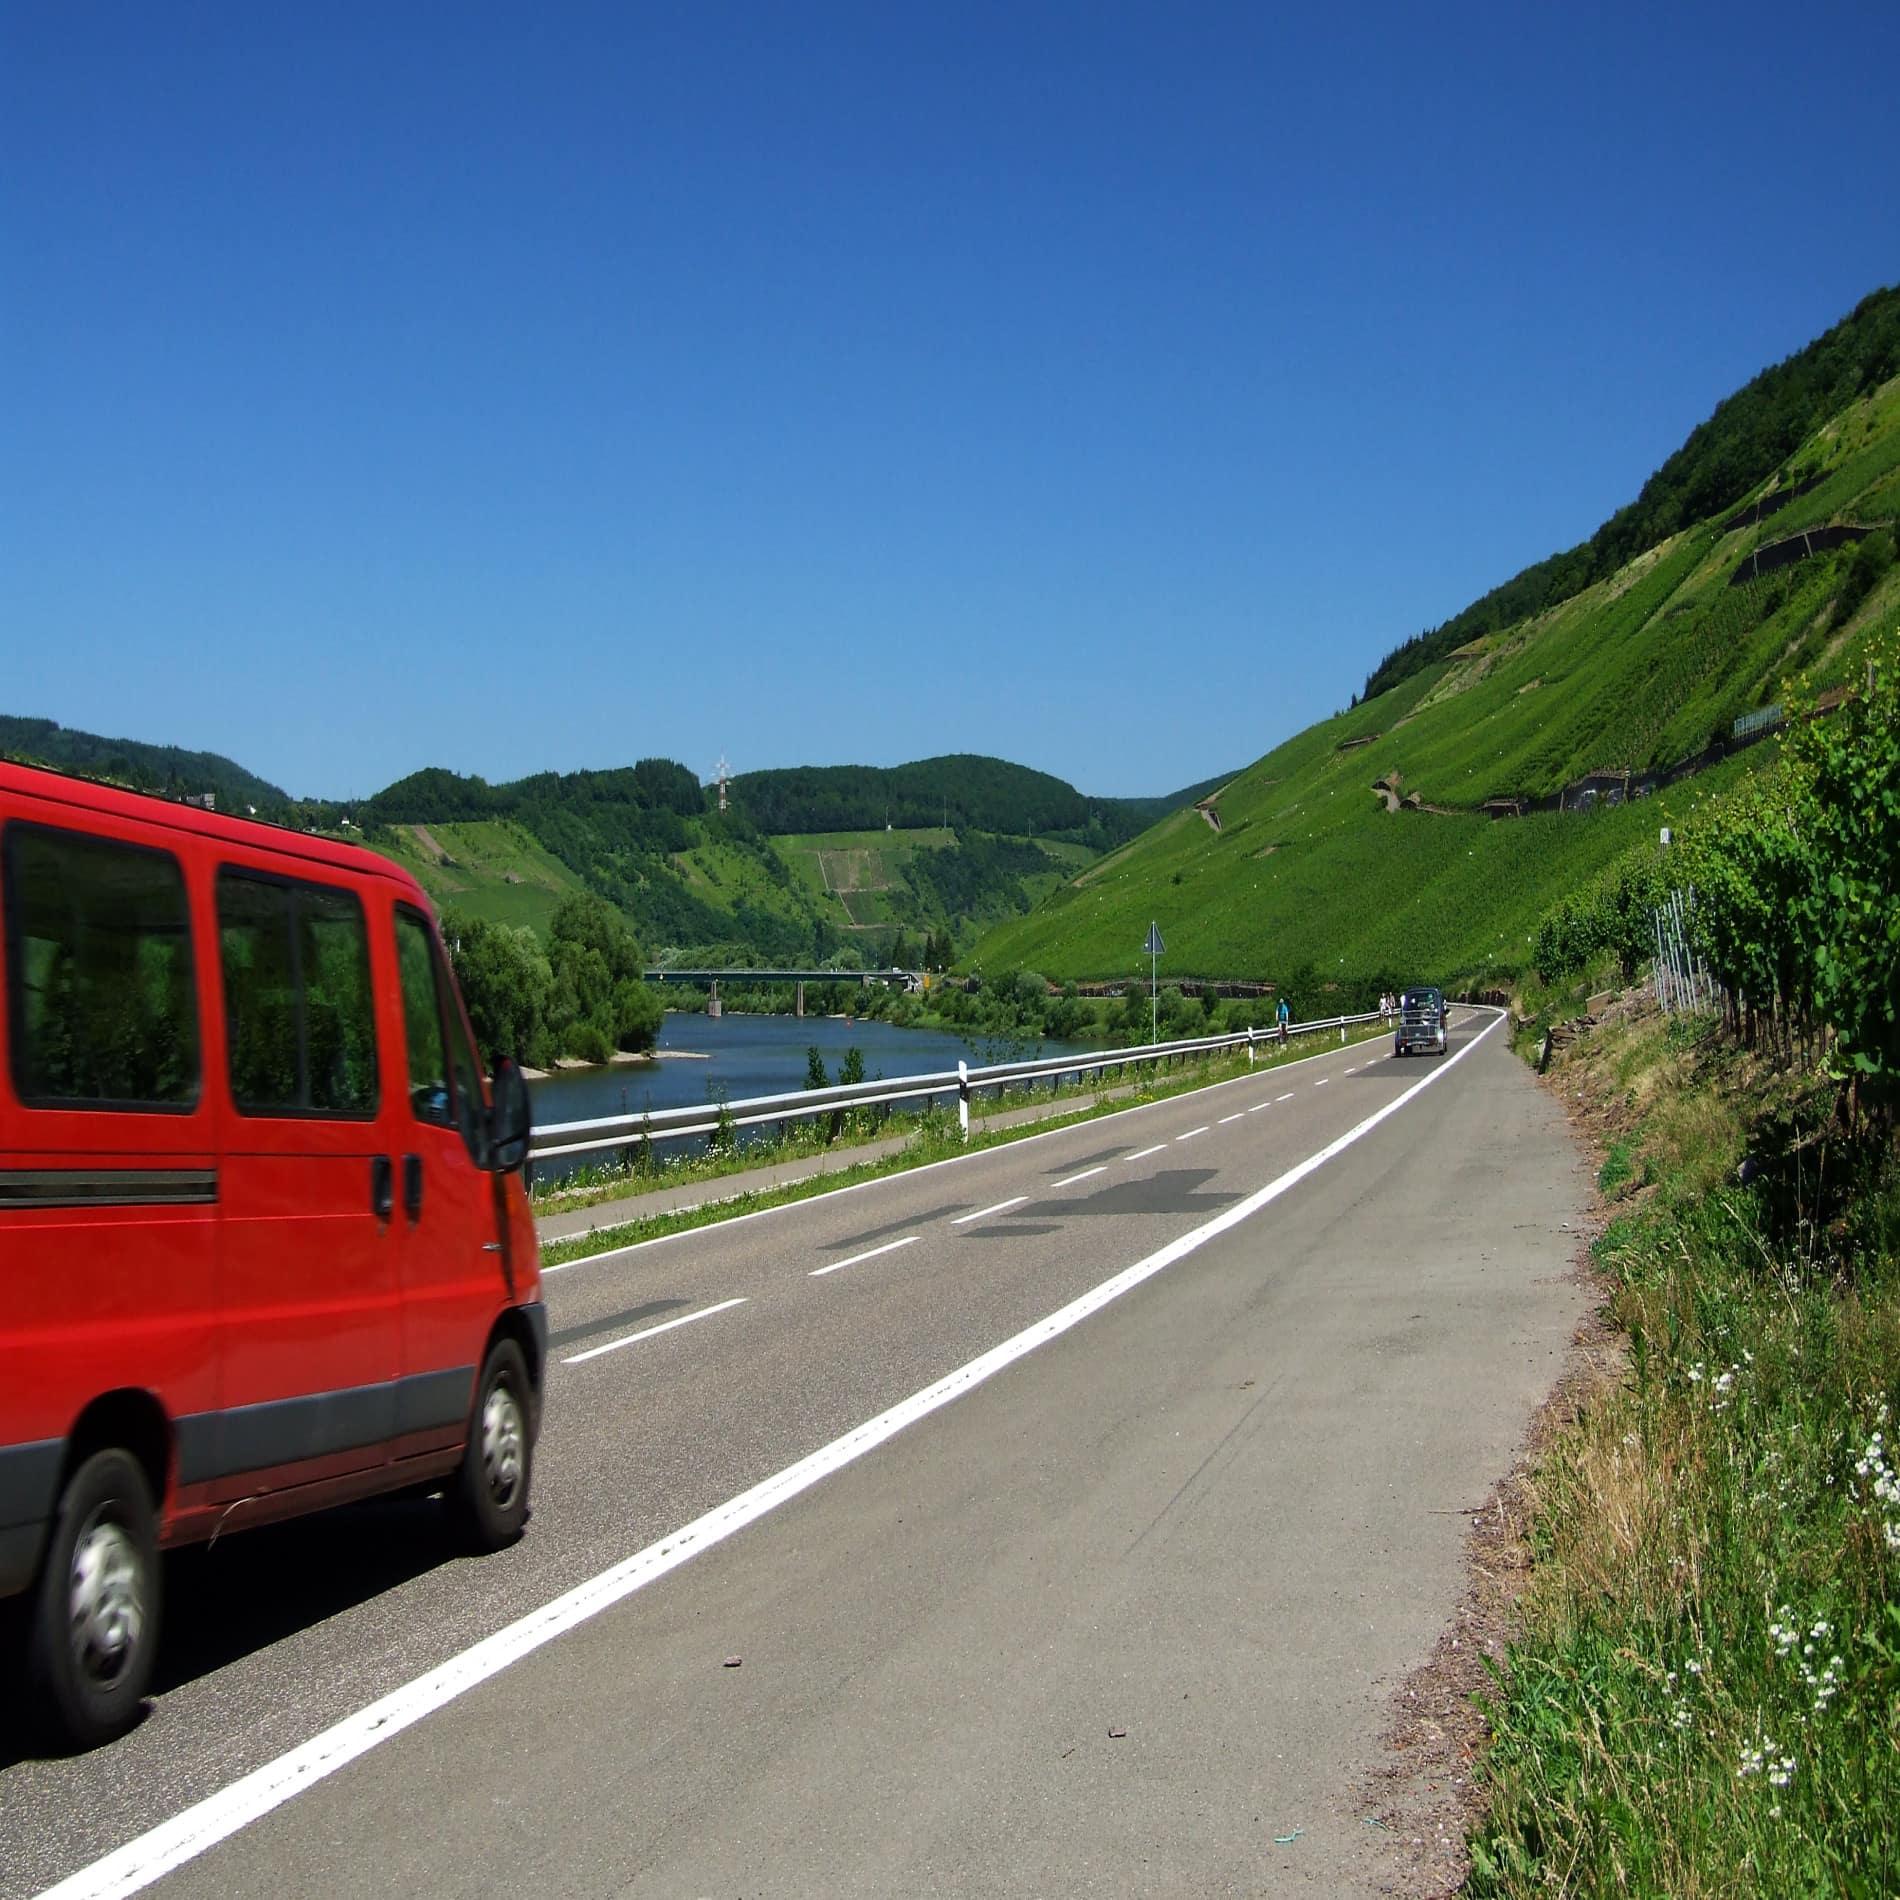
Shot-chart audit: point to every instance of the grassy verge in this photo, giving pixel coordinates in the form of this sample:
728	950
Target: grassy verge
933	1136
1704	1697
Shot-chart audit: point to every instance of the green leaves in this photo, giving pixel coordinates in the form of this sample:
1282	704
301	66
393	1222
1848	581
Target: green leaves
1796	882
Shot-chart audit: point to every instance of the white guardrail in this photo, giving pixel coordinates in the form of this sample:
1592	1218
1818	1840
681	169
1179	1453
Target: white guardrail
670	1124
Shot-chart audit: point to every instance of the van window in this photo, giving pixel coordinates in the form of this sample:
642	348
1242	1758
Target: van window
101	999
299	1012
444	1084
422	1021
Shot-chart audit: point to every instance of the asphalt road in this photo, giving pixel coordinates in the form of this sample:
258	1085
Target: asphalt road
1113	1610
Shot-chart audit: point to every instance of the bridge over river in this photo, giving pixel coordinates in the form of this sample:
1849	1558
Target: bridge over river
711	980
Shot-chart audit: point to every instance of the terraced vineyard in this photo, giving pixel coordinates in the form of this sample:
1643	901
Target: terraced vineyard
1641	671
489	868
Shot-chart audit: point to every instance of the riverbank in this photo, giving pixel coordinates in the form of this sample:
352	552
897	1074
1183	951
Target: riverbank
573	1065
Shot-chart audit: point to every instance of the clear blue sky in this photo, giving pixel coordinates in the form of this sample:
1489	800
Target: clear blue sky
1103	387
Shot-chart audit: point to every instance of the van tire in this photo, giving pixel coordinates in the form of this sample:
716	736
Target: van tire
94	1613
488	1502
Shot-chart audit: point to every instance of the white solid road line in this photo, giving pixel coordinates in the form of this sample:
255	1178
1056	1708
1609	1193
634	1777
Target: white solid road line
686	1319
1083	1176
1142	1154
1192	1132
838	1266
1001	1207
185	1836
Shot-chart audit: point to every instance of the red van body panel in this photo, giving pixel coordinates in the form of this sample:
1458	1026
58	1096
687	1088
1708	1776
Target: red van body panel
293	1305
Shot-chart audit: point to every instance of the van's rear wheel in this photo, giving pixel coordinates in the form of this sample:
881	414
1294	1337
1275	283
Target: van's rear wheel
94	1615
489	1500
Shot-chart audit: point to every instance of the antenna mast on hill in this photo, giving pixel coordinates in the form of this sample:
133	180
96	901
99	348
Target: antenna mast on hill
724	772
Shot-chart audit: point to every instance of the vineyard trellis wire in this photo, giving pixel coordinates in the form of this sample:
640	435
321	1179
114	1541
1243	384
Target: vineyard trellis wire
1681	979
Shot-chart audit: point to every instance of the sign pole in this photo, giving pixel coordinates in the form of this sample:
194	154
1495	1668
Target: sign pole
1154	947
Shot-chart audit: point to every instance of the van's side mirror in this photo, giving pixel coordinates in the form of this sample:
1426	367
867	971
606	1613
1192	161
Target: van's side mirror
509	1116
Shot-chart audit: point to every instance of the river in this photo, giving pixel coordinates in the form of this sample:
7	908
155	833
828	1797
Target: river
703	1058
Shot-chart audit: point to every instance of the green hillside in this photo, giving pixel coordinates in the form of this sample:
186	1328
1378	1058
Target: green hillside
168	769
1636	673
962	792
487	868
1727	460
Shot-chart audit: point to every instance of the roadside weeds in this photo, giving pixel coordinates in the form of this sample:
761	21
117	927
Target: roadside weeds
1677	1668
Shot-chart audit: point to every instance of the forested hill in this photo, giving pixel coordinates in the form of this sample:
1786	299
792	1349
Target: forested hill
168	769
960	790
1751	436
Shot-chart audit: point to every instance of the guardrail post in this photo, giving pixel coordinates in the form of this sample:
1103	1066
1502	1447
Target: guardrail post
1250	1045
1342	1029
963	1097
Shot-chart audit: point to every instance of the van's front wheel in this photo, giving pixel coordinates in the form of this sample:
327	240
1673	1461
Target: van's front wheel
489	1500
94	1616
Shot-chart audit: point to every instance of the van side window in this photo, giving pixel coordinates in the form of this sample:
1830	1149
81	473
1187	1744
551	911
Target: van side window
101	998
299	1012
462	1063
422	1021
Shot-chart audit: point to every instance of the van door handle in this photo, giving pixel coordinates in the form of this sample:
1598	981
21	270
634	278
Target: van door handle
382	1186
412	1186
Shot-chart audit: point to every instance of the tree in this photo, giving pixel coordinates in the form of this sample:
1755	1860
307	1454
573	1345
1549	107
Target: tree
507	983
599	1001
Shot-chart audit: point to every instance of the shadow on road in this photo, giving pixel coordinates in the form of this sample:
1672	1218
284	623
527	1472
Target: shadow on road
226	1600
244	1593
1172	1191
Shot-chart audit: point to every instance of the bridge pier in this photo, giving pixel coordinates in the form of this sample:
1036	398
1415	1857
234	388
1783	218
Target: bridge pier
799	1009
713	1005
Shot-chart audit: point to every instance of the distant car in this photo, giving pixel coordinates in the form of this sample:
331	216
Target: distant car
1421	1023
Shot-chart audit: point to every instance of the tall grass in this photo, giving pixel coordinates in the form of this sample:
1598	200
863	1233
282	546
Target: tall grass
1705	1696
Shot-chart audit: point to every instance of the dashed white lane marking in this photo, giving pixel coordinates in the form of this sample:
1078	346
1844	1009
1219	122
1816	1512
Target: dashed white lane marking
1143	1153
1225	1119
1083	1176
615	1255
201	1827
838	1266
665	1326
1258	1106
1287	1097
1354	1070
1321	1083
1001	1207
1192	1132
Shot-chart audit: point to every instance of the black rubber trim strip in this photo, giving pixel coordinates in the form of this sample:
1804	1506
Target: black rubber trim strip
20	1547
319	1424
108	1187
426	1400
29	1475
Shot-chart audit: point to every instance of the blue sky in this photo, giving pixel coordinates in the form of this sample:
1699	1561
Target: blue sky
1101	387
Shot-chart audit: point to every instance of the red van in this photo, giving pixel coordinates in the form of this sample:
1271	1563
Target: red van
264	1244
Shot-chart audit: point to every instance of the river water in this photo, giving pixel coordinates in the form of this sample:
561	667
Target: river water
704	1058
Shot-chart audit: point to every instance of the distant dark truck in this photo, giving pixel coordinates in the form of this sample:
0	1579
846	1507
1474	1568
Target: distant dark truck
1421	1023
